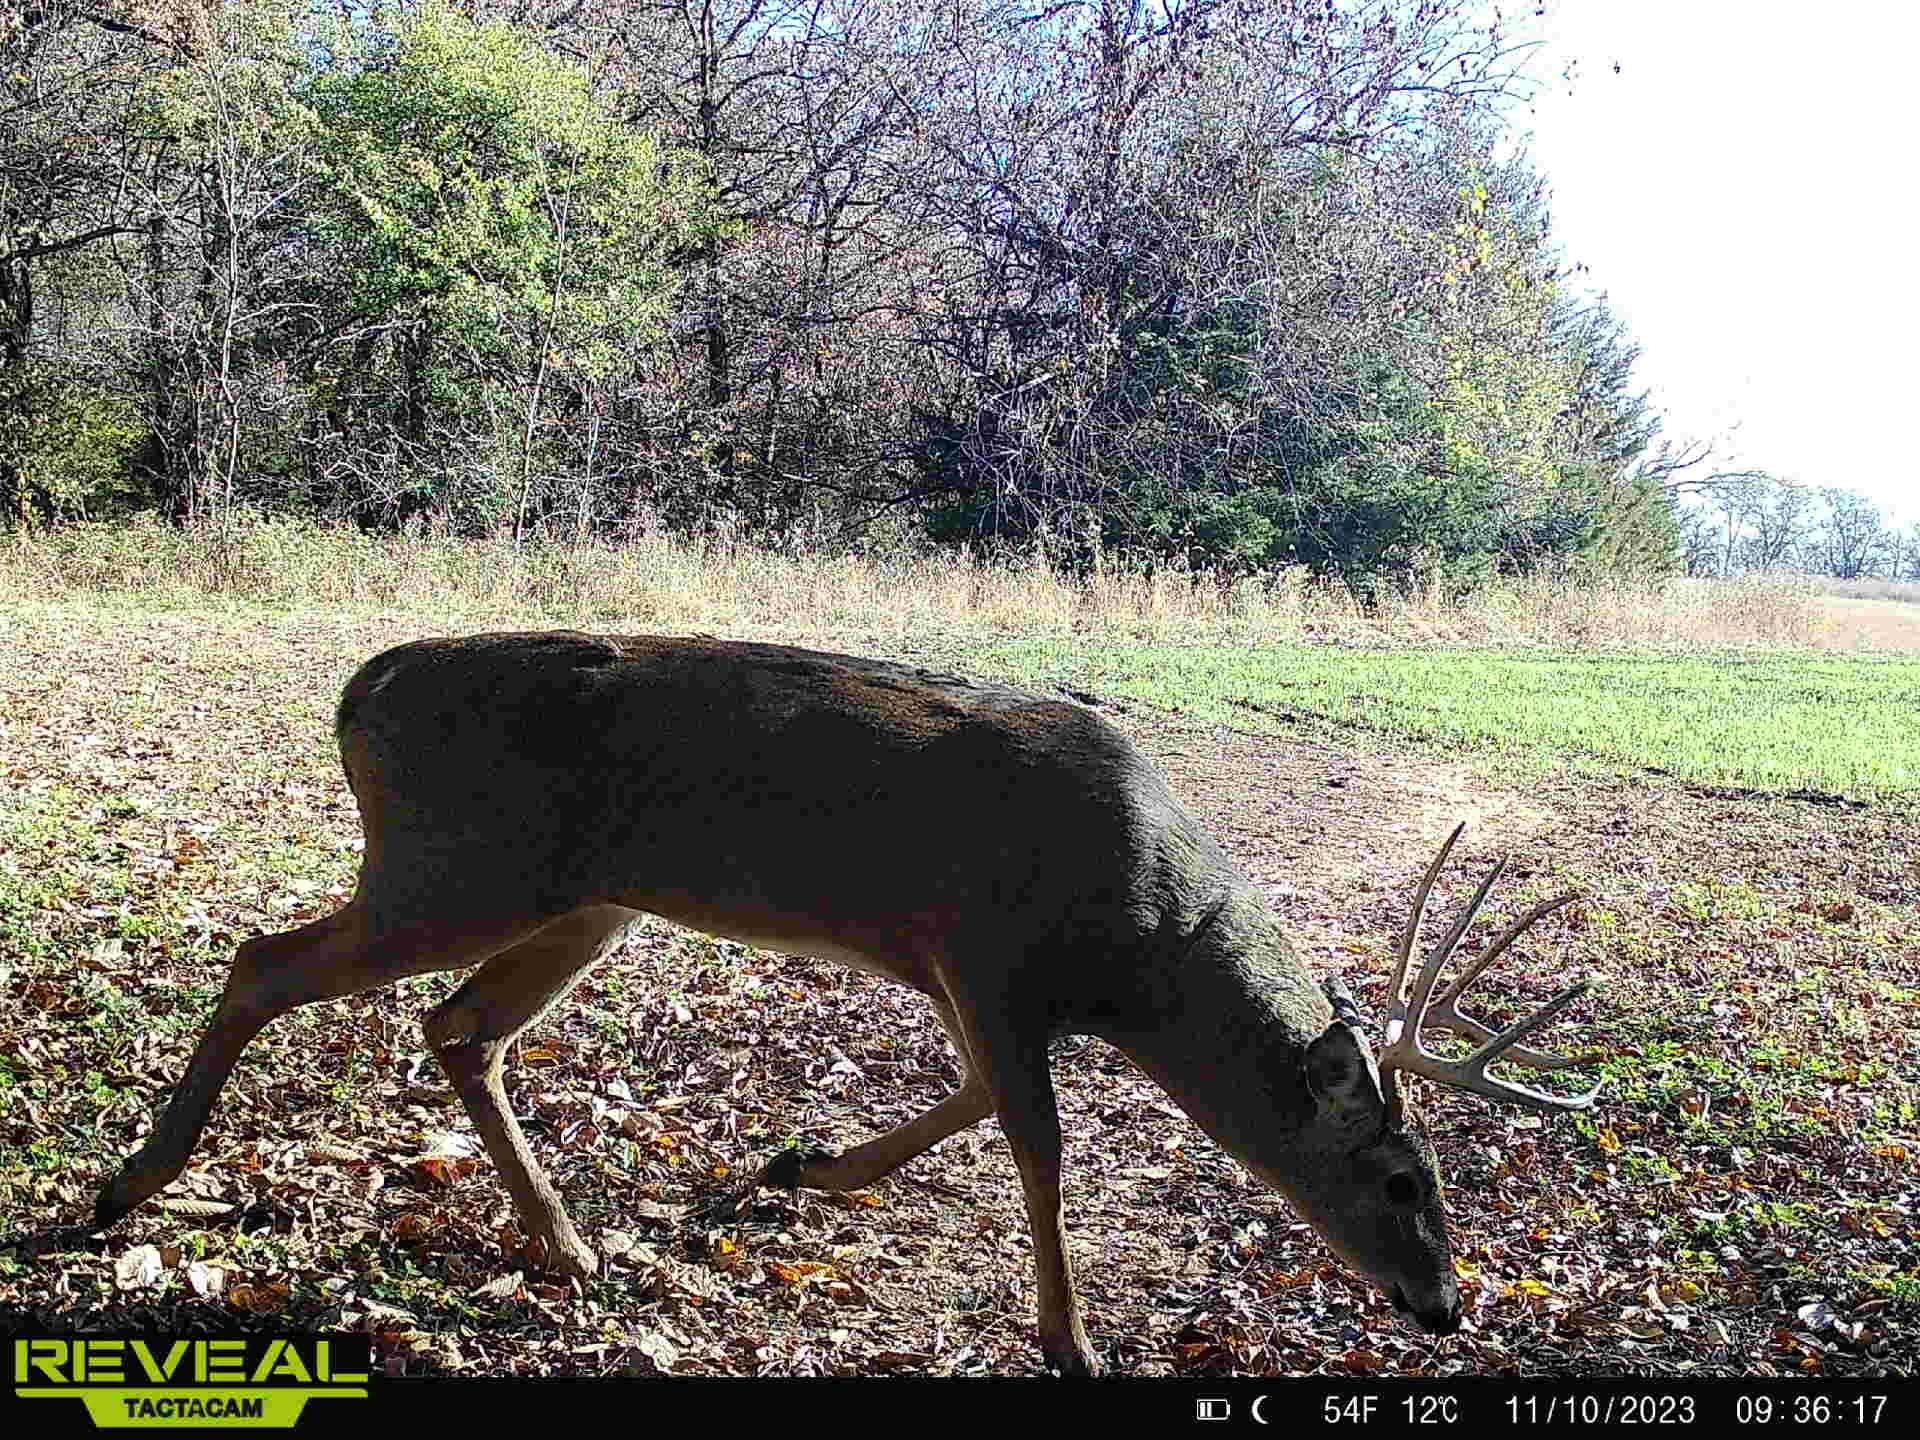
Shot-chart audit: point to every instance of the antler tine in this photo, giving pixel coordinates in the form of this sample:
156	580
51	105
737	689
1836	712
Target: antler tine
1473	1070
1429	972
1444	1016
1410	1015
1397	1009
1471	1073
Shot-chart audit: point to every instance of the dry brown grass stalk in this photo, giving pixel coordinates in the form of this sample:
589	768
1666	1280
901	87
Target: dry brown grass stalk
668	585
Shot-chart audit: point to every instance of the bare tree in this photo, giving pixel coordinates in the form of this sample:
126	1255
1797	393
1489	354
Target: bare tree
1123	176
1732	499
1855	542
1779	518
1909	565
1701	553
791	380
69	75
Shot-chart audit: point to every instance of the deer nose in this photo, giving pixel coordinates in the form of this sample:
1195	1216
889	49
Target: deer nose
1441	1319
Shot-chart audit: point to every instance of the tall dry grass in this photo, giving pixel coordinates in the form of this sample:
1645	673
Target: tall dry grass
669	585
1906	592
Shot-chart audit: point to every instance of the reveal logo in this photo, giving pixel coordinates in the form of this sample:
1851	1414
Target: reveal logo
257	1382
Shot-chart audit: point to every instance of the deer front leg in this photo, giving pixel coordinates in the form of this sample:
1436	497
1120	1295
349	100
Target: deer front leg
471	1031
1012	1060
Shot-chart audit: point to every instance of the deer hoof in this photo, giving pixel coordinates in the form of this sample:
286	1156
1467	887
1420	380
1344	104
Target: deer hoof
783	1172
1072	1363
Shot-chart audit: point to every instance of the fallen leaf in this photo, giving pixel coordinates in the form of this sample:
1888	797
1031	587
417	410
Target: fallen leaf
267	1298
1816	1316
207	1281
502	1287
659	1350
139	1268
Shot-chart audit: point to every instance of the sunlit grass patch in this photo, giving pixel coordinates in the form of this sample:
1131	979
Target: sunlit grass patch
1776	722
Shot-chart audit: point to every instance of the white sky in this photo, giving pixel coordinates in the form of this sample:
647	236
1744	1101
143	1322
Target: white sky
1744	189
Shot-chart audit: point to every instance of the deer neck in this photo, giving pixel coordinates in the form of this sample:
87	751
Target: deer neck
1221	1021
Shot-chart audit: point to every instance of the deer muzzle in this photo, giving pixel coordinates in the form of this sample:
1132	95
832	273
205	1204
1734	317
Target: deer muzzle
1439	1316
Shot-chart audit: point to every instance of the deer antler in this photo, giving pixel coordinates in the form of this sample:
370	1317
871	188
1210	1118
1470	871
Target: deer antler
1409	1015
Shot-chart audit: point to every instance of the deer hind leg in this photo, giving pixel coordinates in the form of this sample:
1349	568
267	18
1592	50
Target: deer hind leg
271	975
470	1032
1010	1057
864	1164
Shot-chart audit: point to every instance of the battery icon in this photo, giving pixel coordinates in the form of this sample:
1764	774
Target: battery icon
1211	1409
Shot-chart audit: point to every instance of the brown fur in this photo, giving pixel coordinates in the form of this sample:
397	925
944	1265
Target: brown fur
1012	857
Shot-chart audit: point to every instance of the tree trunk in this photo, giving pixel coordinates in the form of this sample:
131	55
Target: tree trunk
162	458
16	328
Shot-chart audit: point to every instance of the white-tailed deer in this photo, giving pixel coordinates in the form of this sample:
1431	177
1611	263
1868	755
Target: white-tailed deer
1015	859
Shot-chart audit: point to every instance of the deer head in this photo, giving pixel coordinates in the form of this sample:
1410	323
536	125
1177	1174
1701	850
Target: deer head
1364	1172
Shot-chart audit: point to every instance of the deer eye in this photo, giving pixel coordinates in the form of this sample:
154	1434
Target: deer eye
1403	1190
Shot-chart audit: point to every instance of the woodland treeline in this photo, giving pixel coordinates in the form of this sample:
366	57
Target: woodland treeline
1230	283
1740	522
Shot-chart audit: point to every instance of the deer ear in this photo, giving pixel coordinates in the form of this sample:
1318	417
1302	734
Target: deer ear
1340	1072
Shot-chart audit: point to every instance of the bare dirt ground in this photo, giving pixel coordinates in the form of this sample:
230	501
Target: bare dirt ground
1890	626
1742	1204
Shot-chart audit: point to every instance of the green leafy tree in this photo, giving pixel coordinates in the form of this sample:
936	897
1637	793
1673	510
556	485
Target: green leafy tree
67	443
506	243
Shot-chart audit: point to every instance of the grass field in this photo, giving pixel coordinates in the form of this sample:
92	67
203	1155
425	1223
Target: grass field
1741	1203
1777	722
